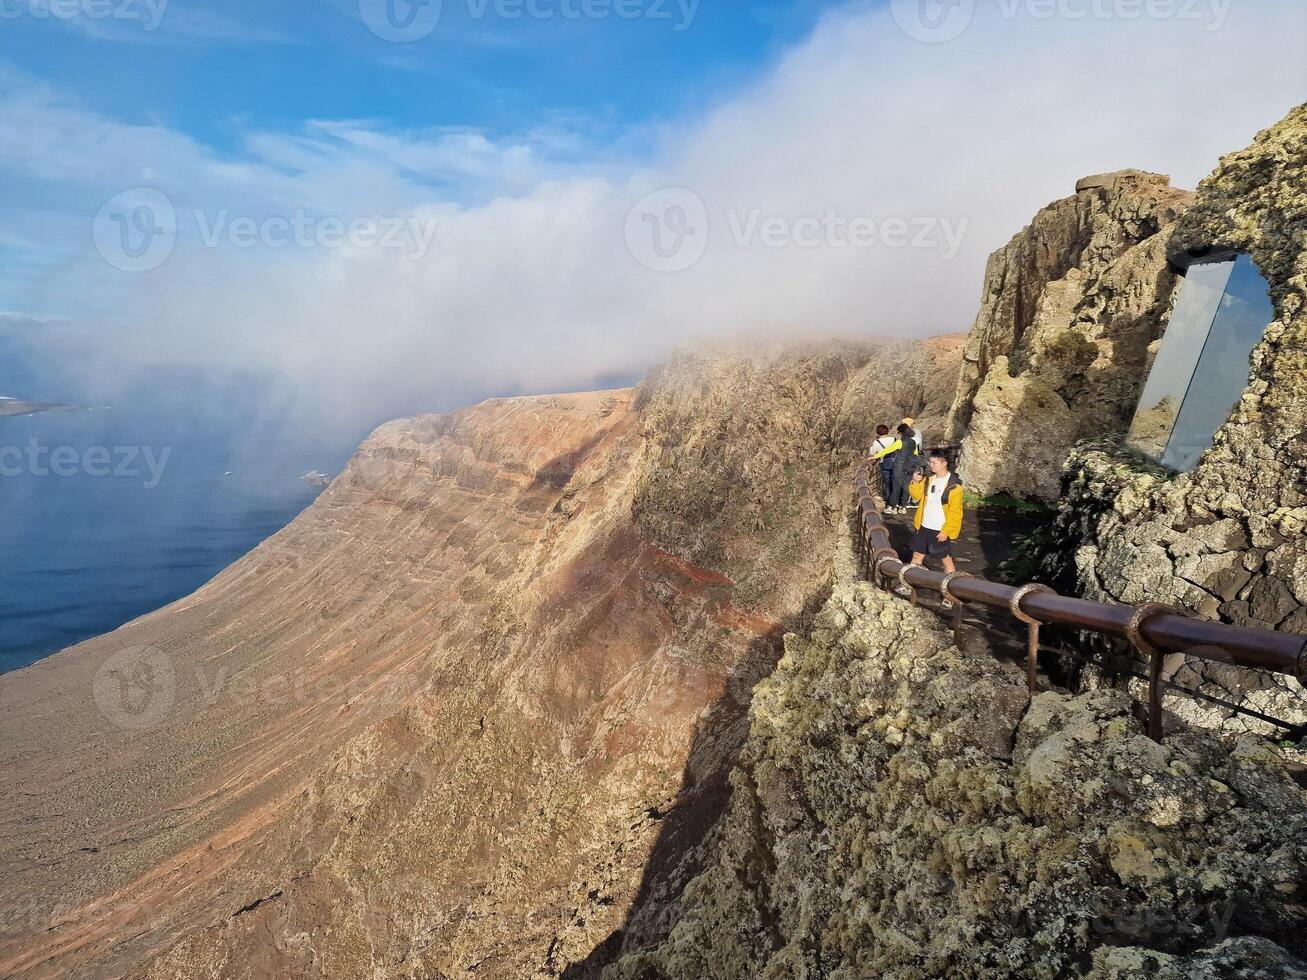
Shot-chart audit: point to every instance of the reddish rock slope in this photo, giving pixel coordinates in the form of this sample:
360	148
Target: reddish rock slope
454	717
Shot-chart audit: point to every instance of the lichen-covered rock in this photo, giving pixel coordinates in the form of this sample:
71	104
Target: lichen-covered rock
1246	957
899	812
1114	539
1225	540
904	378
1059	349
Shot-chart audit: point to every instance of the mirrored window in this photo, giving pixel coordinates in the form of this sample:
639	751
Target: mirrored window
1201	369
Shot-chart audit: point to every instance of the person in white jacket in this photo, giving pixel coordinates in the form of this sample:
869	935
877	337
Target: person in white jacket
883	451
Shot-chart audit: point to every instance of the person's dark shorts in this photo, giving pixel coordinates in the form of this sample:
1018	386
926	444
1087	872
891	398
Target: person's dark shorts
926	542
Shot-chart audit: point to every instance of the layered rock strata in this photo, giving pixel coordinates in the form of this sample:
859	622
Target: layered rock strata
453	719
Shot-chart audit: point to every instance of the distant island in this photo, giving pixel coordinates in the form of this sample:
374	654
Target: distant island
14	407
315	479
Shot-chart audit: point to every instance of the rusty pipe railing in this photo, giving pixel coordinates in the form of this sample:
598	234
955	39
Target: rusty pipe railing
1156	631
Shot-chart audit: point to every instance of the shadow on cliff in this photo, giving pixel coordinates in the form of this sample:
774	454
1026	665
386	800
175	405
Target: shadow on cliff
699	803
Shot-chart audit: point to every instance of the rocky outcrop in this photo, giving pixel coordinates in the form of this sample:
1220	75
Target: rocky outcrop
916	379
1109	542
1060	347
1227	540
458	715
899	812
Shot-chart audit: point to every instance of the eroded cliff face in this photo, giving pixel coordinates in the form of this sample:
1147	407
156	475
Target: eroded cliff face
455	717
898	811
1060	347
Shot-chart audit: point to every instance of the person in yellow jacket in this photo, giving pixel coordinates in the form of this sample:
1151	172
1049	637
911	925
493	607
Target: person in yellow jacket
938	521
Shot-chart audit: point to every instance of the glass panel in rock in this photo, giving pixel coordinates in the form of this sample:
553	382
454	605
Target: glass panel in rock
1173	367
1221	376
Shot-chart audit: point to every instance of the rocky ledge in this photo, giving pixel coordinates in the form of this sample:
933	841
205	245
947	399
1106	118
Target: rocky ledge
899	811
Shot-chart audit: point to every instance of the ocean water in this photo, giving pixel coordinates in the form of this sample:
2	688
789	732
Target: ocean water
145	502
183	473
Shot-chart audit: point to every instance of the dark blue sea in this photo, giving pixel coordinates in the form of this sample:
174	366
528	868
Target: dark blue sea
146	500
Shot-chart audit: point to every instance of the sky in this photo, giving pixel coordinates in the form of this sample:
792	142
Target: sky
389	207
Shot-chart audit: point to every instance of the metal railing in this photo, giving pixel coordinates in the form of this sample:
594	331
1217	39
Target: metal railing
1155	630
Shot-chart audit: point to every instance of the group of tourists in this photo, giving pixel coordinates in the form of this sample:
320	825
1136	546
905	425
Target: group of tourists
928	481
900	460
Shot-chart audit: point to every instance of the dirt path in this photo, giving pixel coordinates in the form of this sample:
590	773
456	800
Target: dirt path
989	536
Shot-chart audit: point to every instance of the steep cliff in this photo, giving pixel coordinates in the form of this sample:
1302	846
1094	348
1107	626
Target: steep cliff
454	717
1060	347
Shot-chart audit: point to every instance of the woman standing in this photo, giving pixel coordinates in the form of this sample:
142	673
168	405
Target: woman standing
884	451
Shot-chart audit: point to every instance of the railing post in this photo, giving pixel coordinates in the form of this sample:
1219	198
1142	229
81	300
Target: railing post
903	581
877	556
957	603
1135	633
1155	696
1283	653
1032	631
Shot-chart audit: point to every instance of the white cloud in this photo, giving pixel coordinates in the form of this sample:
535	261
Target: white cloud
530	284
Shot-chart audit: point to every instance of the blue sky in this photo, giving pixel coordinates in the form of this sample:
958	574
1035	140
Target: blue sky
216	70
542	203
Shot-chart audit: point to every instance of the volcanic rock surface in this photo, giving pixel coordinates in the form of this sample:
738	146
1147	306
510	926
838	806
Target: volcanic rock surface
1061	345
899	811
1227	540
452	719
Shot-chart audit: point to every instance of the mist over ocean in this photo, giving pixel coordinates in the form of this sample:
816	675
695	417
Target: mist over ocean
83	551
